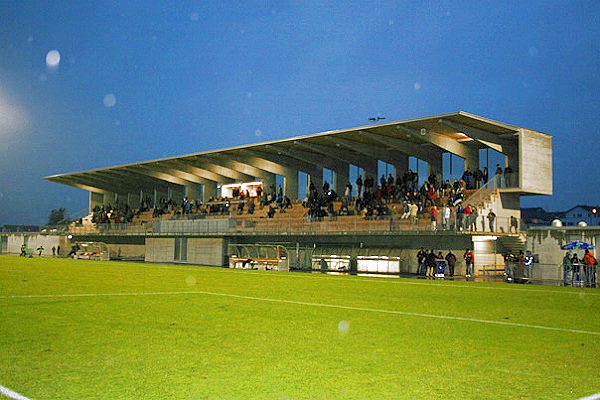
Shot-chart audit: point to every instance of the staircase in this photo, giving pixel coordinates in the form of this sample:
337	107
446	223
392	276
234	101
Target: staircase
512	244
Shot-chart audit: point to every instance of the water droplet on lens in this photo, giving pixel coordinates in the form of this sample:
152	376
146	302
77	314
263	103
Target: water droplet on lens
53	58
109	100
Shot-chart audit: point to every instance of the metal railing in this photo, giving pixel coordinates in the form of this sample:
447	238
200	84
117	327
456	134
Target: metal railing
296	225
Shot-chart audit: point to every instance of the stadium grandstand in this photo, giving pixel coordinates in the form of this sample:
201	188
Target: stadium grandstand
364	199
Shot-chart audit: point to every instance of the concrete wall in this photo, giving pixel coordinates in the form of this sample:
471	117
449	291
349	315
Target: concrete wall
203	251
33	240
160	250
206	251
535	162
547	241
118	250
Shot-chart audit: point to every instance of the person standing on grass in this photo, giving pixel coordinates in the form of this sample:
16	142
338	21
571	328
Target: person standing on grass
40	250
589	261
451	259
566	268
421	256
53	251
431	261
439	267
576	272
469	263
323	265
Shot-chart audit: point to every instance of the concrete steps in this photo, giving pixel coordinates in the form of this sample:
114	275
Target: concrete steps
512	244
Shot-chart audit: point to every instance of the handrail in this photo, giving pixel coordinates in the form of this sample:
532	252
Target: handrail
486	190
344	224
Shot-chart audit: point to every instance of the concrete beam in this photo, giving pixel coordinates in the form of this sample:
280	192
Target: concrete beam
114	183
97	184
189	169
333	152
212	165
69	181
136	178
443	142
149	171
303	157
230	161
403	146
255	158
376	152
487	139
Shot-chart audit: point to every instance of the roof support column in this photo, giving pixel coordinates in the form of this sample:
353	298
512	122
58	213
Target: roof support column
290	183
369	167
145	196
96	200
269	182
401	165
315	177
109	198
133	200
158	196
512	160
192	191
434	164
472	159
342	177
209	190
177	194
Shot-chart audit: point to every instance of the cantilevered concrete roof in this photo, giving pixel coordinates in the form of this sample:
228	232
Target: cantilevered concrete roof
458	133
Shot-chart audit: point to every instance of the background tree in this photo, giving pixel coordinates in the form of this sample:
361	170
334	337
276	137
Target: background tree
57	216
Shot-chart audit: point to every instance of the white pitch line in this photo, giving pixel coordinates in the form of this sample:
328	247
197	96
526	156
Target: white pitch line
11	394
311	304
401	281
591	397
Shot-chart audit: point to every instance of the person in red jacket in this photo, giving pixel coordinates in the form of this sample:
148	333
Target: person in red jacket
589	261
434	218
469	258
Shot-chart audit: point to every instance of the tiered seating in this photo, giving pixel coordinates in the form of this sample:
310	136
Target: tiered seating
294	219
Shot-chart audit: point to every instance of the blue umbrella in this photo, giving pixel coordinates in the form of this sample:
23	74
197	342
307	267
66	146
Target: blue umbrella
578	245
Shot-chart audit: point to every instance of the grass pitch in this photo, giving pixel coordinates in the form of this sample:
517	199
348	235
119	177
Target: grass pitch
85	329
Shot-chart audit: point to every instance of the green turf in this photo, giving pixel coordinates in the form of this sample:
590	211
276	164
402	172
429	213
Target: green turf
199	346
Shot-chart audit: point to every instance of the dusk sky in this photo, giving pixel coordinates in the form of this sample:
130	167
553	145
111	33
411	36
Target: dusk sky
92	84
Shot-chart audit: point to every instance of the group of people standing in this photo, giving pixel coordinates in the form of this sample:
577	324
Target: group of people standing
428	262
26	252
575	268
460	218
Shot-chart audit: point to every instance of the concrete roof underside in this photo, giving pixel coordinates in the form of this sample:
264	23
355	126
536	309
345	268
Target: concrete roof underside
458	133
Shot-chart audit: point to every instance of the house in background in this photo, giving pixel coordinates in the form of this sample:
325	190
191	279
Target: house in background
537	216
582	213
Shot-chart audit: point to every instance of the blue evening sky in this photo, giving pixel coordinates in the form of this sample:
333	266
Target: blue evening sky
139	80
